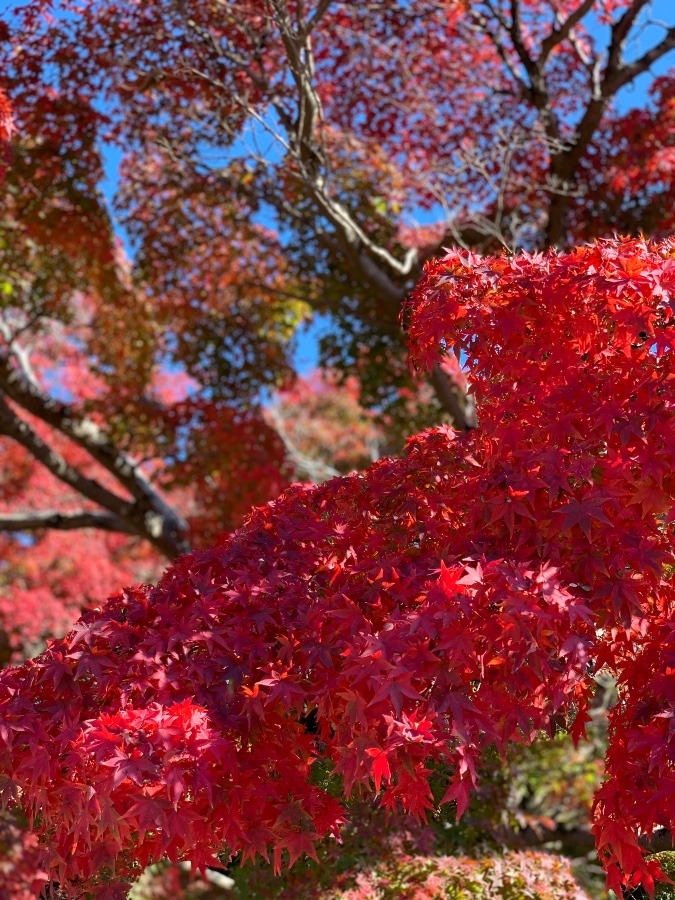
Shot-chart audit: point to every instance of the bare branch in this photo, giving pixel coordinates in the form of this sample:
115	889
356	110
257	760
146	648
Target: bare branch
50	519
316	470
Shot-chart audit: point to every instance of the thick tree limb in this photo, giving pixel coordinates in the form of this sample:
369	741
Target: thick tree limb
301	135
621	29
53	520
389	278
604	86
14	427
605	80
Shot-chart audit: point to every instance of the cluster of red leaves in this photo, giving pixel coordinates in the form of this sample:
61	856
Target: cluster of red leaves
457	598
571	359
6	119
228	461
639	791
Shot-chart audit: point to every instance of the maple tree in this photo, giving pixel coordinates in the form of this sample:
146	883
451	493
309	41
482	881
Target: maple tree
460	597
277	157
255	191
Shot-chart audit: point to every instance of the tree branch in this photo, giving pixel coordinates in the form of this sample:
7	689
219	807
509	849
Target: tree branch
317	15
620	31
148	512
311	158
388	277
19	353
615	76
482	25
559	34
630	71
461	406
604	86
536	90
14	427
530	65
52	520
315	470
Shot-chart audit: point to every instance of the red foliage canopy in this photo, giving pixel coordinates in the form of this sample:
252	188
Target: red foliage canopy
460	597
